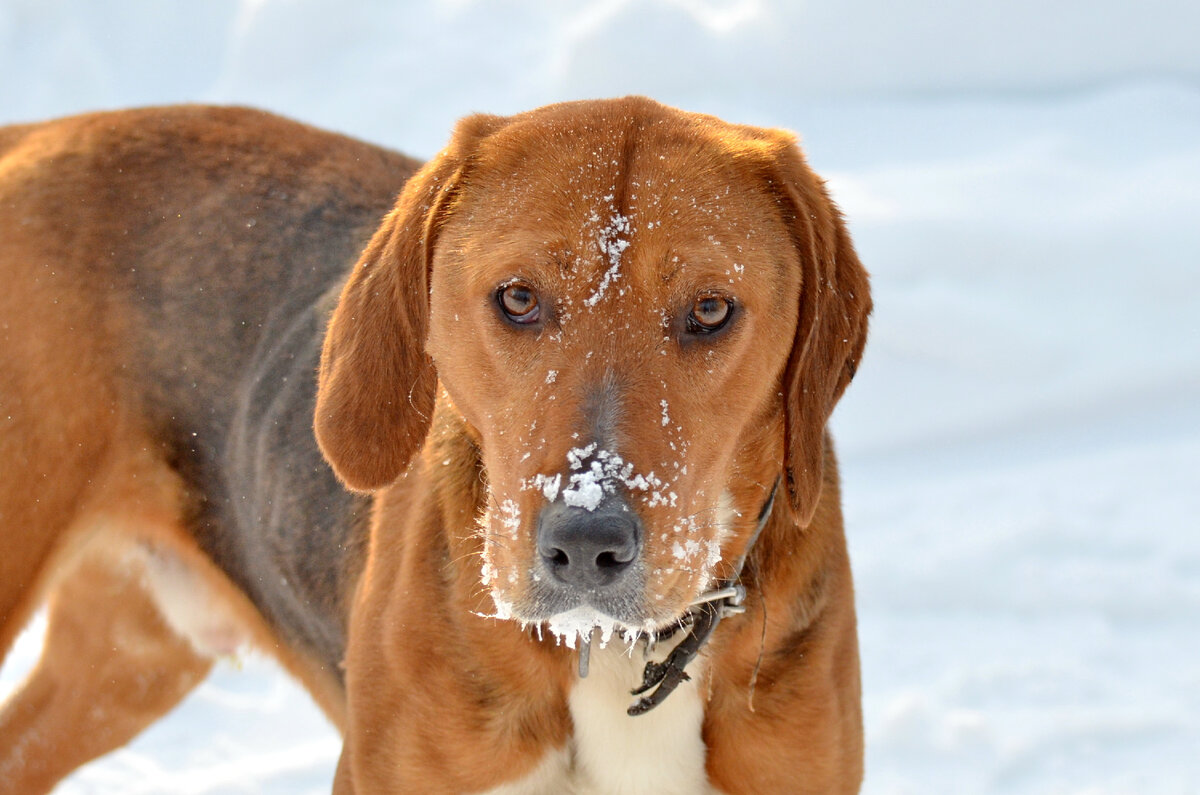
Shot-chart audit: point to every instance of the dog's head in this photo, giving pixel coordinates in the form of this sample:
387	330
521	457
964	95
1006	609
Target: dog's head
643	317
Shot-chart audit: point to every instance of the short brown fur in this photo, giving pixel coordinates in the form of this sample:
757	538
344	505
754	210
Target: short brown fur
171	271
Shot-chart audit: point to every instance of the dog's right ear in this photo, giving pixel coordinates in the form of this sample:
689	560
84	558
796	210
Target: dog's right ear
376	385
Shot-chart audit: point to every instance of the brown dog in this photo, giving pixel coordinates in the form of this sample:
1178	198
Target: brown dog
569	375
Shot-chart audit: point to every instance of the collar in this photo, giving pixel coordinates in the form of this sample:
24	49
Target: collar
659	680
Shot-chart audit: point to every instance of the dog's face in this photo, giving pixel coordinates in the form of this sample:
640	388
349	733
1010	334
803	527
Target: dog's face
624	306
613	324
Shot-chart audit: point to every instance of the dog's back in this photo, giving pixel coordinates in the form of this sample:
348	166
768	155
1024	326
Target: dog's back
165	274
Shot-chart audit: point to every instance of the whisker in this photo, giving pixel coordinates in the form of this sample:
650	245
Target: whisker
468	555
499	541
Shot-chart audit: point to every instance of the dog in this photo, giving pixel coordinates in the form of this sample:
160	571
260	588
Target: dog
551	432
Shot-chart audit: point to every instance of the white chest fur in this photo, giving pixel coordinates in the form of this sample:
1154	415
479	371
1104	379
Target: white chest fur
658	753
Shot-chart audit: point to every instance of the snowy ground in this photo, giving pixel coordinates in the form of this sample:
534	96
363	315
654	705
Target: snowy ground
1021	449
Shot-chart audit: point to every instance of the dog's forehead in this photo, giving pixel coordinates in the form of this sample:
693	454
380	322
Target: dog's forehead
647	193
669	165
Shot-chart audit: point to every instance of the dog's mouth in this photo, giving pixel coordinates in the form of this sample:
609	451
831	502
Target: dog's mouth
569	571
643	603
571	618
582	618
604	548
586	625
583	628
574	619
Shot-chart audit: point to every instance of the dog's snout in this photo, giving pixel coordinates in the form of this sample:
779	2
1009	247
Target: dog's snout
589	549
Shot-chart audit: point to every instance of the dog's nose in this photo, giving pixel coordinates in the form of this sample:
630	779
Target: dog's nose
588	549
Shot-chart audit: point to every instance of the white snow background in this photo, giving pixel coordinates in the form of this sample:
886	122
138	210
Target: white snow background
1021	448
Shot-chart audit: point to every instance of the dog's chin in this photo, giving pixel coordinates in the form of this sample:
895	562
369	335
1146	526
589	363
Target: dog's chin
585	623
572	622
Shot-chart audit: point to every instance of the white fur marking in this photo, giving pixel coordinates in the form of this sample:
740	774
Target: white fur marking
191	608
659	752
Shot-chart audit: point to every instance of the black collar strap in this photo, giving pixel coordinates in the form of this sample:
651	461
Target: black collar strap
661	679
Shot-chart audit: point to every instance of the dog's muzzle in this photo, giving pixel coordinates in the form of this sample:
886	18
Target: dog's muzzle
591	557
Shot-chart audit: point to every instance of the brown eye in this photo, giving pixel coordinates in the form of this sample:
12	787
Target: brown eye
709	314
519	302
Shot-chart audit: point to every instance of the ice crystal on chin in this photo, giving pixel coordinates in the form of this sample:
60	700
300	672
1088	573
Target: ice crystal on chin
575	627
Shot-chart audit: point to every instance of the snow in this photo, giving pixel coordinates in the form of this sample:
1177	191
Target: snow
580	624
586	490
596	472
1019	449
510	517
612	245
587	486
685	551
549	486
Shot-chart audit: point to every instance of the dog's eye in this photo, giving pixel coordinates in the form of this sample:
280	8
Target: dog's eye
709	313
519	302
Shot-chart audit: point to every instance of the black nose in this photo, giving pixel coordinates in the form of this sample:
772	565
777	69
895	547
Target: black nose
588	549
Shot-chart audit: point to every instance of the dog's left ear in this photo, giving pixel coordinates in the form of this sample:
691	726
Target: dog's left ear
376	385
831	329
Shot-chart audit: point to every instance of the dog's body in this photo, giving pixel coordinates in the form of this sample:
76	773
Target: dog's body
596	332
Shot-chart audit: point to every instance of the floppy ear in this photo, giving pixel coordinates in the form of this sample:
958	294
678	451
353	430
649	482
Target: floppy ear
376	385
831	329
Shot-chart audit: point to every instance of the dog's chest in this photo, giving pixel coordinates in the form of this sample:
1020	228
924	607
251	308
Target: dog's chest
658	753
